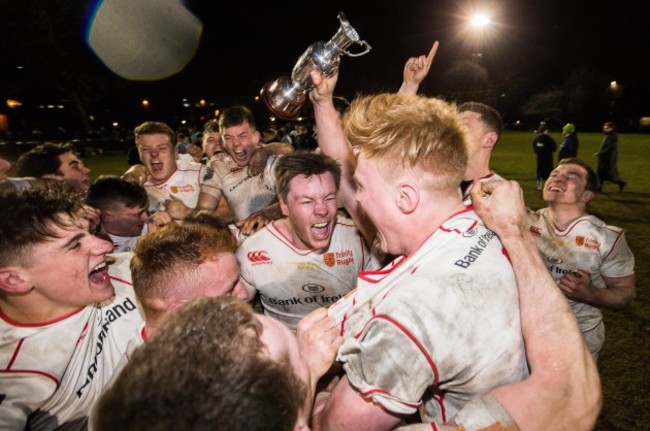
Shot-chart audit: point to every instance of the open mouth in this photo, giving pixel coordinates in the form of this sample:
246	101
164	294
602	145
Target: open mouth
240	156
320	230
156	166
99	274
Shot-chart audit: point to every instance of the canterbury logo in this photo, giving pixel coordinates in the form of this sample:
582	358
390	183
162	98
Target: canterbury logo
258	256
536	231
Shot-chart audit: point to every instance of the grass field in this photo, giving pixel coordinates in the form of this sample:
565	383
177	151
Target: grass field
624	360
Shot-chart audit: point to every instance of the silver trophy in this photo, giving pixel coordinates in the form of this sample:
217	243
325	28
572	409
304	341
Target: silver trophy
285	96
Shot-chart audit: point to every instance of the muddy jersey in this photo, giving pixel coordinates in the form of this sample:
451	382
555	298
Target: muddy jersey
435	329
245	194
184	184
52	373
587	244
293	282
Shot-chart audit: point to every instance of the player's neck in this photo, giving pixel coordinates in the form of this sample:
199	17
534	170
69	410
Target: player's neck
562	215
477	168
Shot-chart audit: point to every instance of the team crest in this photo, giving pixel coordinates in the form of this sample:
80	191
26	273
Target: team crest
580	240
329	259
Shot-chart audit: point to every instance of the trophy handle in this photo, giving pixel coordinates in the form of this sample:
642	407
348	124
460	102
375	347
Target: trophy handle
359	54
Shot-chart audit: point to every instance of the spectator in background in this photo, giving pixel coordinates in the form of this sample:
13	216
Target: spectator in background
305	139
608	158
270	134
182	143
544	146
283	135
569	145
122	209
54	161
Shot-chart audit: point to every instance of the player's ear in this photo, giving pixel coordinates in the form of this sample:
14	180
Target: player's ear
491	139
586	197
12	280
283	206
408	197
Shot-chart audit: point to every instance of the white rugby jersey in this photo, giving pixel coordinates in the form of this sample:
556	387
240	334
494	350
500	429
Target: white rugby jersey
245	194
588	244
52	373
184	184
293	282
437	328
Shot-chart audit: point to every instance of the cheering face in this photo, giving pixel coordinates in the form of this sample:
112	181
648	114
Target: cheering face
124	221
311	209
73	171
567	184
211	143
240	142
70	271
375	197
227	283
157	154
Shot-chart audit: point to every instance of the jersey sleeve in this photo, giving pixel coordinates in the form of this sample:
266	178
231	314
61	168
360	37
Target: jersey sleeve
386	365
21	393
269	171
212	183
619	262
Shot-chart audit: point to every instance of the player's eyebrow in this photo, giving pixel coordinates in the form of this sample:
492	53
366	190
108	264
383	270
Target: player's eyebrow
74	239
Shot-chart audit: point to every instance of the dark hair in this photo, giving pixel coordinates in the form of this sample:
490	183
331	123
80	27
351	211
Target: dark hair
29	217
489	115
154	128
236	115
110	189
42	160
592	178
341	104
211	126
306	163
206	368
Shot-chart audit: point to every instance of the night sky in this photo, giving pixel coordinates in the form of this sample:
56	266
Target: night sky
252	42
247	43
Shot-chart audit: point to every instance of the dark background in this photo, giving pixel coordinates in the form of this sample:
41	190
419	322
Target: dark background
542	61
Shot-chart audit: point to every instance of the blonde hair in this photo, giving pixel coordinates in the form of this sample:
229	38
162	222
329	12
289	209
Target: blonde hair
413	132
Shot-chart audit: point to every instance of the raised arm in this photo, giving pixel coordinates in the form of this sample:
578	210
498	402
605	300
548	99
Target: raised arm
563	391
416	69
333	143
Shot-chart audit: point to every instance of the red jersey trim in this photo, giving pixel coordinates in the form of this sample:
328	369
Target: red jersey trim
36	325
